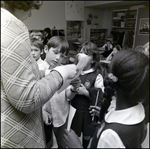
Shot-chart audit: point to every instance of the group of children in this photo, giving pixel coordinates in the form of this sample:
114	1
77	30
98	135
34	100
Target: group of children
36	91
55	111
124	124
88	92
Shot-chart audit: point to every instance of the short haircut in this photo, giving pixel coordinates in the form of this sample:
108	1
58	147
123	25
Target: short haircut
59	41
37	43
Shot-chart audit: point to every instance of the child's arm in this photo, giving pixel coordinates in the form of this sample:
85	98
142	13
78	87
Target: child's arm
83	91
73	89
70	93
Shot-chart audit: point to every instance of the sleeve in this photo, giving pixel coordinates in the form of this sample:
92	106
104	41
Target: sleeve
110	139
99	83
104	46
19	74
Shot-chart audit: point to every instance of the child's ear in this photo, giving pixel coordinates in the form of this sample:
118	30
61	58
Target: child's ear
42	51
46	49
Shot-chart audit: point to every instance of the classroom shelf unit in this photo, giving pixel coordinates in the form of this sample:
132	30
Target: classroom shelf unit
125	19
98	36
74	29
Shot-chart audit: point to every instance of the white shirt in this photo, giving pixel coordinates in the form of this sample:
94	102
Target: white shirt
58	106
43	65
133	115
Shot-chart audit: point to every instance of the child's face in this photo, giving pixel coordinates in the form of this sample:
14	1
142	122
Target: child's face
36	52
53	56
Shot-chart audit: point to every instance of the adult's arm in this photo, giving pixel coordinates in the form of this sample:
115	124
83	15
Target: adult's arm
20	81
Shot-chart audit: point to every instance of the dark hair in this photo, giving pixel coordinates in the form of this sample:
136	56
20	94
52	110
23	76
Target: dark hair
90	48
59	41
22	5
47	29
132	70
37	43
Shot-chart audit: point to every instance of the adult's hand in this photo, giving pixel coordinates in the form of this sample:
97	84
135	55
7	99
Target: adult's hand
67	71
71	139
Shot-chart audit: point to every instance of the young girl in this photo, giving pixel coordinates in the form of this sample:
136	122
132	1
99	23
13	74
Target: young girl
91	79
115	50
108	47
124	124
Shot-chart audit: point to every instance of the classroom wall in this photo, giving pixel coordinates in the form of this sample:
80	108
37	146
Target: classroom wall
103	20
52	13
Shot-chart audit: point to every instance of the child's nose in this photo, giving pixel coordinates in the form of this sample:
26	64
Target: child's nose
33	52
58	56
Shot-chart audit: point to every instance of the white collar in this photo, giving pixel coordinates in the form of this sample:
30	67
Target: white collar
87	71
39	60
128	116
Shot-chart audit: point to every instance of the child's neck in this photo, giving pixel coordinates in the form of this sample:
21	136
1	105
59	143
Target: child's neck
122	102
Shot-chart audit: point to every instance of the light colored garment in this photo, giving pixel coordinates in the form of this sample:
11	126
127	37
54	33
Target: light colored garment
111	46
43	65
58	106
22	92
131	116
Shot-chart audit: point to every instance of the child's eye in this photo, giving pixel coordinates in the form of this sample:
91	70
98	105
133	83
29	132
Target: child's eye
56	52
62	55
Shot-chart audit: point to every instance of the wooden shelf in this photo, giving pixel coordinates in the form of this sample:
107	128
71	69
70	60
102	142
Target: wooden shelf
123	27
74	29
124	20
98	36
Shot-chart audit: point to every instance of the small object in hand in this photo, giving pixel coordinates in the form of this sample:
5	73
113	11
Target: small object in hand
75	91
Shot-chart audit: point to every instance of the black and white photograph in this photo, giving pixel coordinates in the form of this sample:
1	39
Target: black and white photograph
74	74
144	26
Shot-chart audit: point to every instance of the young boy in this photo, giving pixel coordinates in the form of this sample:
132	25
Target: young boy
56	110
36	50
